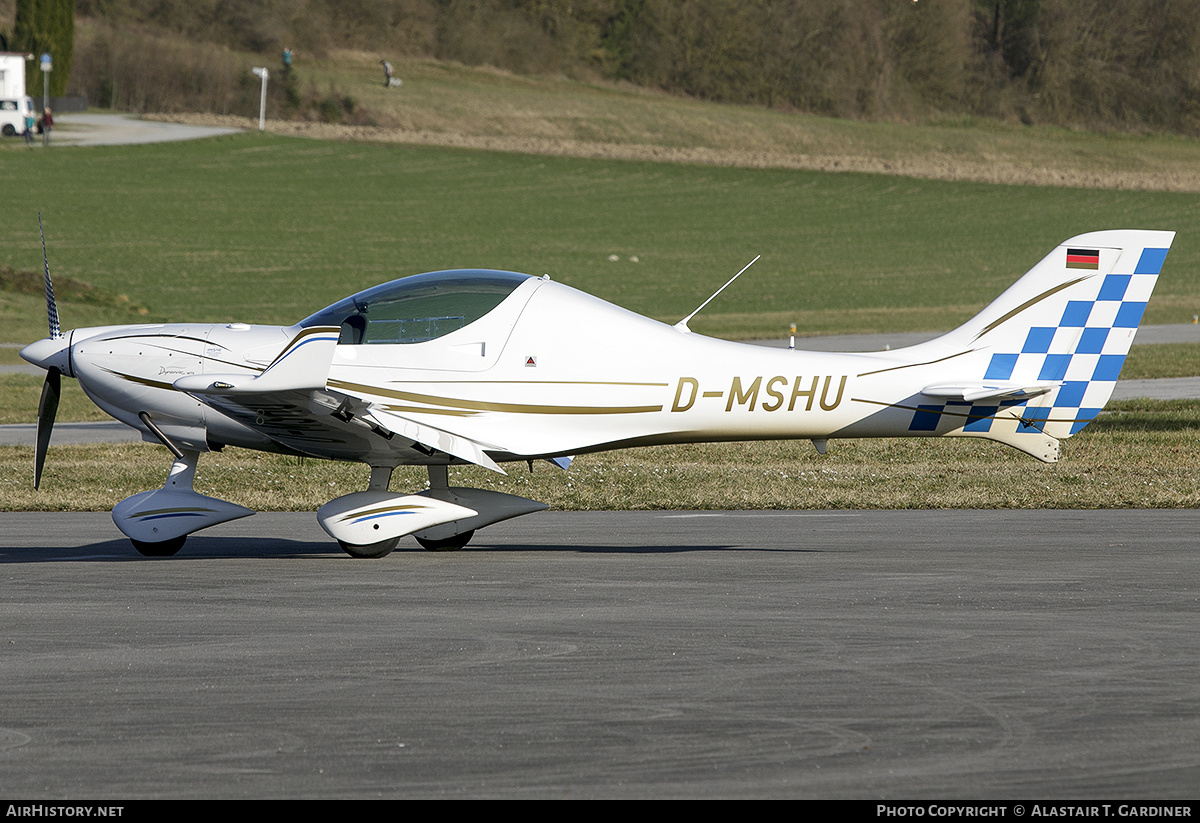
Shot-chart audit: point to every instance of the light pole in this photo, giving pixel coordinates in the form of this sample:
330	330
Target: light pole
262	106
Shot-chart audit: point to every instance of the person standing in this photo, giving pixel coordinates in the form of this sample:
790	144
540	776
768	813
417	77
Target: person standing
387	74
47	125
30	125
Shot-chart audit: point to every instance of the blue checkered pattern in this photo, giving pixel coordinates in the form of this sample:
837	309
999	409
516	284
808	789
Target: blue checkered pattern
1082	347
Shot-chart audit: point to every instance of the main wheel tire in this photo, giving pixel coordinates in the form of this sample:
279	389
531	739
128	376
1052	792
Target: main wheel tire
448	544
381	549
166	548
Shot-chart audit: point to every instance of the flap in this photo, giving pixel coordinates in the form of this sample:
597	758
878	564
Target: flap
434	438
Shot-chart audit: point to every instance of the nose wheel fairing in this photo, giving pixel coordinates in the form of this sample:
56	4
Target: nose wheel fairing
164	517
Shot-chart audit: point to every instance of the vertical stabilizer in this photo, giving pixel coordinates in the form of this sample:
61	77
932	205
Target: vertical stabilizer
1046	354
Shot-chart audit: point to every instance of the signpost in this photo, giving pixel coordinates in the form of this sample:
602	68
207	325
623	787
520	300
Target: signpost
45	81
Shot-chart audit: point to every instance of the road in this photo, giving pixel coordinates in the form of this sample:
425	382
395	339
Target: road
88	129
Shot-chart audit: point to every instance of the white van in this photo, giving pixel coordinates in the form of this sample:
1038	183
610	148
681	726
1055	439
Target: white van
12	115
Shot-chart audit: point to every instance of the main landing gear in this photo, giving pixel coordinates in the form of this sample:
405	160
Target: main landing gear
442	518
367	524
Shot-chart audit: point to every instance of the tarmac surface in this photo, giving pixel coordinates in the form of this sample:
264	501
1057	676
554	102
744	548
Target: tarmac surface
845	654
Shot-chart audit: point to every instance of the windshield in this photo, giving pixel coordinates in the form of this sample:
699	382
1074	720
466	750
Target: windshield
418	308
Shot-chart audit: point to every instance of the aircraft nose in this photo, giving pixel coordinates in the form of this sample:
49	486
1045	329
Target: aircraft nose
50	352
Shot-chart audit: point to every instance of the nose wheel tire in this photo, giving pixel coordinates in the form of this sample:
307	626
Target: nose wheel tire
381	549
166	548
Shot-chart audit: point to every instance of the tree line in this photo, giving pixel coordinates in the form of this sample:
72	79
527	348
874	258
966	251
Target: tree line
43	27
1104	64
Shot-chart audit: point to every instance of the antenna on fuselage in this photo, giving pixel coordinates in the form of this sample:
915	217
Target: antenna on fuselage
682	325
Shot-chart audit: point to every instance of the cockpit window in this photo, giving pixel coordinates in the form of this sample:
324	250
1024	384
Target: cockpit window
418	308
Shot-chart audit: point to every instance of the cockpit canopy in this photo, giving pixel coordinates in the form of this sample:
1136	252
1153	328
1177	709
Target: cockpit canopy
417	308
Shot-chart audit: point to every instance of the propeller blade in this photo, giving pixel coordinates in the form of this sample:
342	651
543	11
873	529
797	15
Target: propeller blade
47	409
51	306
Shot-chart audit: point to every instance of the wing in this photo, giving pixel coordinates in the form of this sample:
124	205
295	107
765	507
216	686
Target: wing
289	403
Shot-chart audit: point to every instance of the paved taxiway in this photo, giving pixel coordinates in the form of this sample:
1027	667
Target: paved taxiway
916	654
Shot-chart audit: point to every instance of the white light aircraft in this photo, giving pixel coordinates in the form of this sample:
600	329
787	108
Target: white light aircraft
485	367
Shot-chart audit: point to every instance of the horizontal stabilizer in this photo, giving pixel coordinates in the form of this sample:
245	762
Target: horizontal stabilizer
970	393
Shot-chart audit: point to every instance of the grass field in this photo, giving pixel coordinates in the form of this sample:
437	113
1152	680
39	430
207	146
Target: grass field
268	229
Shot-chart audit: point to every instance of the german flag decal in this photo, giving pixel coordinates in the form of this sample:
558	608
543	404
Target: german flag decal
1083	259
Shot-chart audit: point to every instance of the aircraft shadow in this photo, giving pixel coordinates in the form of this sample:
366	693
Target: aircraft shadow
197	548
630	549
227	548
